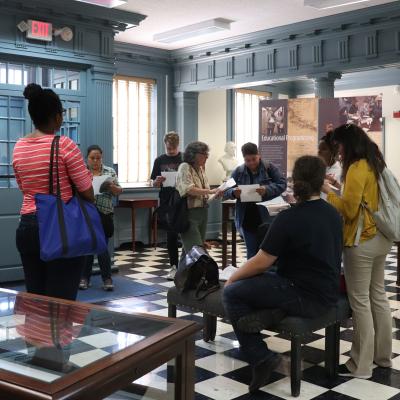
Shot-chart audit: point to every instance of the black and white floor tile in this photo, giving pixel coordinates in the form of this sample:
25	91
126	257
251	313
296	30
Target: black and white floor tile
221	372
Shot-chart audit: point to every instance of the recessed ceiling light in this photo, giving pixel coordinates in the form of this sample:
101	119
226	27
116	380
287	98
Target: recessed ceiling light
105	3
189	31
326	4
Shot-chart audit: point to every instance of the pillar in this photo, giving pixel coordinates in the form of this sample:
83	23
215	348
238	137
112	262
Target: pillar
186	117
324	84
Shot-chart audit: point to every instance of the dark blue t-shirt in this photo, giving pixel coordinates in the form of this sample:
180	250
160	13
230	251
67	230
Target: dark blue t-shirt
308	241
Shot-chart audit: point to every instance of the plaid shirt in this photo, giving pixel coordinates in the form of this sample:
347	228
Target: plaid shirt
104	201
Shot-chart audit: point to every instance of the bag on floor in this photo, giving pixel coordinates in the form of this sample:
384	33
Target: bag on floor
197	271
70	229
387	218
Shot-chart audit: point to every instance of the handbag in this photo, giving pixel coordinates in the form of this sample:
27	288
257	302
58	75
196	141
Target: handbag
176	213
197	271
70	229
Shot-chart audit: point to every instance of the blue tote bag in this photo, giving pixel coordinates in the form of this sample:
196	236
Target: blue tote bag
70	229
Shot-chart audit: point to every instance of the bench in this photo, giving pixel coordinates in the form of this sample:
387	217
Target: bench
296	328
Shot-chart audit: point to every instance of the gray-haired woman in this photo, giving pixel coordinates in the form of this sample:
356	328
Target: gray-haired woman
192	182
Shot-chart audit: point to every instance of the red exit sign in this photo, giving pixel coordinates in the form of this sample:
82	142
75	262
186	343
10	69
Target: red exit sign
40	30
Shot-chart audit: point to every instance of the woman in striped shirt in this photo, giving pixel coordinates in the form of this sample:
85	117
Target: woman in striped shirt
31	161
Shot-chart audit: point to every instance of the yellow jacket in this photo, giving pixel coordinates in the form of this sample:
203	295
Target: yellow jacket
360	185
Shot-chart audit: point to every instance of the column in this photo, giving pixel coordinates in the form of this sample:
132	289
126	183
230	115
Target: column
324	84
186	108
99	105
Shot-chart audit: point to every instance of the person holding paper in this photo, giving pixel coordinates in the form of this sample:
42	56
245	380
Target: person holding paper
271	183
164	165
192	183
306	244
108	188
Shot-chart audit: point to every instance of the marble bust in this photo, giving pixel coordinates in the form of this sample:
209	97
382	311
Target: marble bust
228	160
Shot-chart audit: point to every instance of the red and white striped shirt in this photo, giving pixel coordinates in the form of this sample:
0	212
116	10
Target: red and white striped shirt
31	163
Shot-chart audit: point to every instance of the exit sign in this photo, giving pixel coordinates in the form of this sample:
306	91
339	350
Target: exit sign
40	30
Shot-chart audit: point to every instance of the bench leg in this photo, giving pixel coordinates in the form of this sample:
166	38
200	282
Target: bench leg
171	310
295	366
209	327
332	349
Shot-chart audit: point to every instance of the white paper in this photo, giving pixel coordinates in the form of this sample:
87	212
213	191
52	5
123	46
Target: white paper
170	178
227	272
249	193
225	186
275	205
98	181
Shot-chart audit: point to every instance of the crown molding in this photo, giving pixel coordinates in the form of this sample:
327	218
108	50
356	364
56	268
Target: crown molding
280	36
115	19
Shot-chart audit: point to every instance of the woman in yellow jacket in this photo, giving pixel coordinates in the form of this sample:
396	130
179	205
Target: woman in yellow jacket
365	251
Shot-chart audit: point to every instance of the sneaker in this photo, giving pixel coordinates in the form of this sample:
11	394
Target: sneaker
83	284
262	372
108	285
344	371
171	274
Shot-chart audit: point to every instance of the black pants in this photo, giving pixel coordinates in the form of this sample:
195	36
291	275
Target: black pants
104	259
172	246
57	278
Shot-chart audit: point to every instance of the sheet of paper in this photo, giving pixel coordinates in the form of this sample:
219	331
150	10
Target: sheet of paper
249	193
225	186
227	272
97	182
170	178
275	205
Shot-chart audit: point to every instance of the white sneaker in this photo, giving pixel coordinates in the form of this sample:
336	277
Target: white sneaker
171	273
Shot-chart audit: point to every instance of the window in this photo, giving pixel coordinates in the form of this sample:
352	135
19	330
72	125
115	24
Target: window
14	118
247	116
71	123
132	110
12	127
57	78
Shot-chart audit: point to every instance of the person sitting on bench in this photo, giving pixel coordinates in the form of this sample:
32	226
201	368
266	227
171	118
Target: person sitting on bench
306	241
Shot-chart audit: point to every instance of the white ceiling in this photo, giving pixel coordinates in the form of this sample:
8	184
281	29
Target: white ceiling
249	16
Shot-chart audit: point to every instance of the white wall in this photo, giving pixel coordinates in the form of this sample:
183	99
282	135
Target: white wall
212	130
390	102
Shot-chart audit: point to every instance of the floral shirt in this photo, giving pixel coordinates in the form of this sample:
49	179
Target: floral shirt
189	177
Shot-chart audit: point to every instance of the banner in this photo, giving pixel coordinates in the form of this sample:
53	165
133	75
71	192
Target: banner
302	138
364	111
273	132
292	128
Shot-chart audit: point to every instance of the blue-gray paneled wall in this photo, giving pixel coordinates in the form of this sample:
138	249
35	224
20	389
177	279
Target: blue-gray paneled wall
91	54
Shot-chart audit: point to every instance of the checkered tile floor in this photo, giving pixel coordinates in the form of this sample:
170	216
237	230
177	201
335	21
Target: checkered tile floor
221	372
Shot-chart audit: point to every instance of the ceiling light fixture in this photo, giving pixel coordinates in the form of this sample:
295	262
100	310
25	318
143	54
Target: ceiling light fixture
326	4
190	31
105	3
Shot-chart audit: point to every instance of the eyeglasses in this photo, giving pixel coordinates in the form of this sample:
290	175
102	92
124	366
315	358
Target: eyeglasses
203	154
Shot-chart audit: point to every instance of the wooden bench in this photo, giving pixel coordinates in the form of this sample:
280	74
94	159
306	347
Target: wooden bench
296	328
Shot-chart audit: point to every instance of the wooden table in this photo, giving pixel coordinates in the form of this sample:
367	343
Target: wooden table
228	207
128	347
133	204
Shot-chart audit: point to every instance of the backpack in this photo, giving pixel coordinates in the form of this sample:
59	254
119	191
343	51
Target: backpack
176	213
197	271
387	218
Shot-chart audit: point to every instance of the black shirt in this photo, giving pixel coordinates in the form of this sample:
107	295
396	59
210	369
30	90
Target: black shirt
308	241
165	163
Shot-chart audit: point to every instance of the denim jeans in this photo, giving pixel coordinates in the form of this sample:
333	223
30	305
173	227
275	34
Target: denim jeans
268	290
57	278
252	243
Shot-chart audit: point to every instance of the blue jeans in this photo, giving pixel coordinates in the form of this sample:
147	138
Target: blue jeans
251	241
268	290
